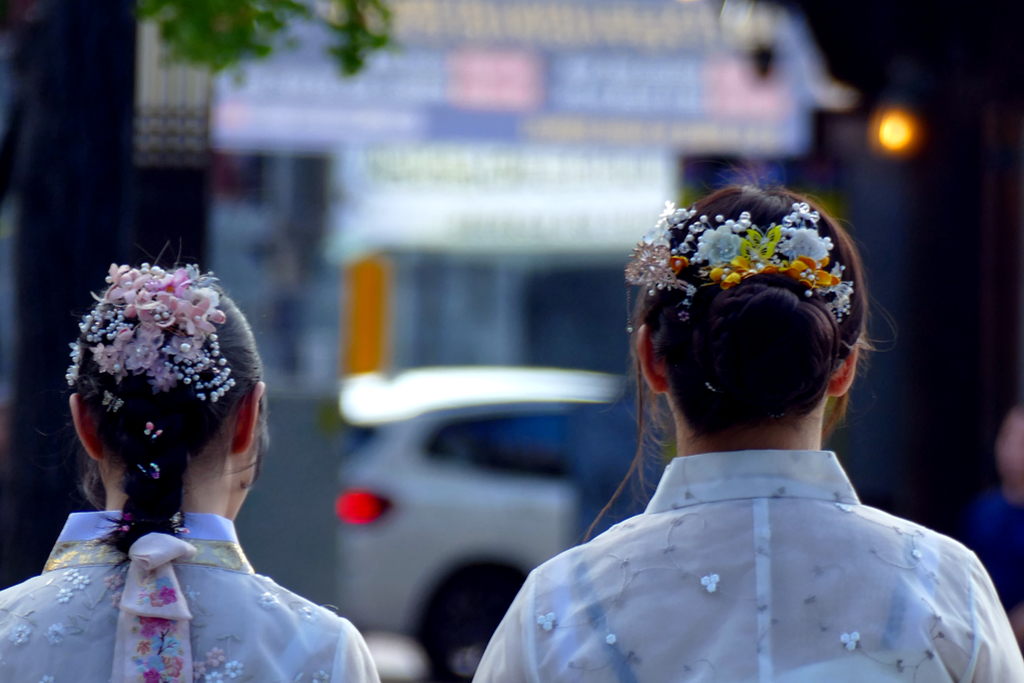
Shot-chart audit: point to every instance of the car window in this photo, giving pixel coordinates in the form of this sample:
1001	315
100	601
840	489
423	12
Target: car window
534	444
354	438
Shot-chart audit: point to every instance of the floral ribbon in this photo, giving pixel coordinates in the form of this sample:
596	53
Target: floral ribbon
153	643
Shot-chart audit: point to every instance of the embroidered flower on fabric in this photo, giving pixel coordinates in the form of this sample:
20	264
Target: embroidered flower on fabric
233	669
115	600
710	582
321	677
55	634
215	657
546	621
192	595
158	655
849	640
198	669
268	601
306	613
159	594
916	554
214	677
114	581
77	579
150	627
844	507
46	679
20	633
64	595
610	639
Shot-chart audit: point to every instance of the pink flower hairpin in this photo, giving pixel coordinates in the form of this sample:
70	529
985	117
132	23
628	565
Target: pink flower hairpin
160	324
152	432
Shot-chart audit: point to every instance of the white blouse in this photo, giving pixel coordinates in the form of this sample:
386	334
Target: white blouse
63	626
757	566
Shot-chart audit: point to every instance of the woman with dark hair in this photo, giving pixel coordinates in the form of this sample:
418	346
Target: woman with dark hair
754	560
168	405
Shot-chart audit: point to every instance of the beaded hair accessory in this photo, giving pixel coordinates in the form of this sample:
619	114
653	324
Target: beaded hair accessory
726	252
158	323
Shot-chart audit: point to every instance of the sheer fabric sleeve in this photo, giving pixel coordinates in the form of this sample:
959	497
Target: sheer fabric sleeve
510	657
996	656
352	661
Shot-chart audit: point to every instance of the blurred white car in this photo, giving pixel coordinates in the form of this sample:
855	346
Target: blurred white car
460	482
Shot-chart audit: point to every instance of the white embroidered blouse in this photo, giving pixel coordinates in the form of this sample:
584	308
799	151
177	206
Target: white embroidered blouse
63	626
757	566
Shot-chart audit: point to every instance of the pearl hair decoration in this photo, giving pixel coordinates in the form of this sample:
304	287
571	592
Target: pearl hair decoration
158	323
724	252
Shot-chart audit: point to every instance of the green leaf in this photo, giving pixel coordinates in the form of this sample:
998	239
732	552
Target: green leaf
221	34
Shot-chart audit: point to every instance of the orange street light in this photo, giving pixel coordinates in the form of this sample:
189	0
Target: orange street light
896	131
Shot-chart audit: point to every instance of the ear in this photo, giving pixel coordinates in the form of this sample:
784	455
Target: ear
842	379
247	419
86	428
652	367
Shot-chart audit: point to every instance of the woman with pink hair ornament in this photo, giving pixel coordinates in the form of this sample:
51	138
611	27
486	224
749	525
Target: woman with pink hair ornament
167	401
754	560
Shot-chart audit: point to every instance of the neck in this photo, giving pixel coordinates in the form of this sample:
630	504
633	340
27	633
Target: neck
217	493
1014	494
203	504
803	434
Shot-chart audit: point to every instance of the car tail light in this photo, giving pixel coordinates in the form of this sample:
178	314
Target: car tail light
357	506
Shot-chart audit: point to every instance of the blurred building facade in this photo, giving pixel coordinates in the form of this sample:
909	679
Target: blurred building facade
501	162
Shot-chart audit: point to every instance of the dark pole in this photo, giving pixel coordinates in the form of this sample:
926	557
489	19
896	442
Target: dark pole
949	369
72	182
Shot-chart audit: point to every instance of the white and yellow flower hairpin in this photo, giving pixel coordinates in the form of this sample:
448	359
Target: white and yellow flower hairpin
726	252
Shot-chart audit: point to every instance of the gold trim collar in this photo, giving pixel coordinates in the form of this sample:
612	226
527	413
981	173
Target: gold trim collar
218	554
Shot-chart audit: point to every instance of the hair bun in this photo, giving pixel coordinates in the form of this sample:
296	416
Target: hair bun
769	347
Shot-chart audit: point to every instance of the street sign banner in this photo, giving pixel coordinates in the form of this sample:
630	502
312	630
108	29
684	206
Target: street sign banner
640	73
